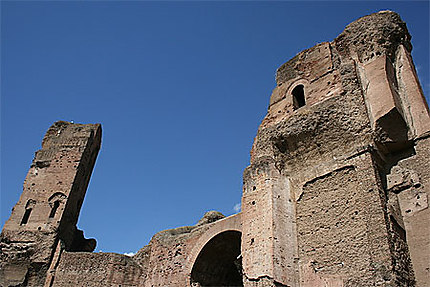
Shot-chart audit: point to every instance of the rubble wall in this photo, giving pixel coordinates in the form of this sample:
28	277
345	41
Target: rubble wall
96	269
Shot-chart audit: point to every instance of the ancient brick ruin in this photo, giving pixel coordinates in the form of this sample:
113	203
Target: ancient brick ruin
336	193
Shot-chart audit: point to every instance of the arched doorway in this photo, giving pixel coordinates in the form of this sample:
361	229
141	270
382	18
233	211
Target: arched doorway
219	263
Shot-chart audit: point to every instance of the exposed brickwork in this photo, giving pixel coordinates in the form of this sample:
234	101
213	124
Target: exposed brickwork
336	193
49	206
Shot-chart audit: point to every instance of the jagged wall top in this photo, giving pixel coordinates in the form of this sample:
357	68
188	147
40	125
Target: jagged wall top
366	38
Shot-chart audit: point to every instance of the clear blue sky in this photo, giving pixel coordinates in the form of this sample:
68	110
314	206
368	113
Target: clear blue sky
179	87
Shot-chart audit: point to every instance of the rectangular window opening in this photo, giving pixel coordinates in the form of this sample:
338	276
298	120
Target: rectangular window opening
26	216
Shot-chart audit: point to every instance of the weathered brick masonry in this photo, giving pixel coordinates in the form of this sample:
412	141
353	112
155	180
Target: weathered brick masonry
336	193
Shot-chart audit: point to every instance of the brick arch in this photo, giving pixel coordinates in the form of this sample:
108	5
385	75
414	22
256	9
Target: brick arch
231	223
58	195
301	81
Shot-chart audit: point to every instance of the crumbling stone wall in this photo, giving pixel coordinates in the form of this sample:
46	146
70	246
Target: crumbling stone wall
407	180
96	269
336	193
341	226
163	262
48	210
342	116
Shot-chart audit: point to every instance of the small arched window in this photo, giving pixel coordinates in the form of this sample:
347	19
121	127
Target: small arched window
55	201
298	94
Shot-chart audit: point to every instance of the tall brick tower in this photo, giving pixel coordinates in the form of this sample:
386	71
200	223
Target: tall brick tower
45	216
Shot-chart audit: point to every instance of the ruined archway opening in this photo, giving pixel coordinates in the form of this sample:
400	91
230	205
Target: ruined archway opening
298	96
219	263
